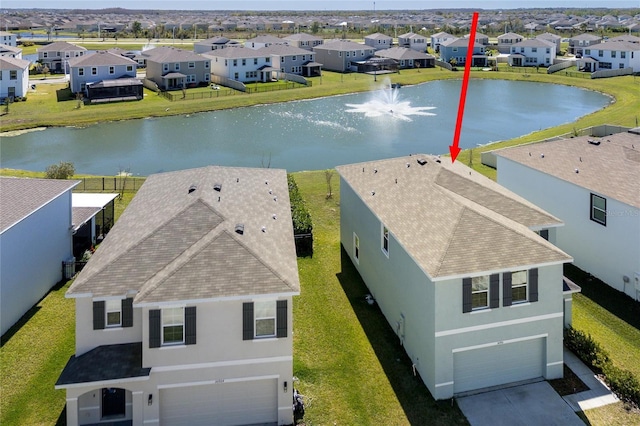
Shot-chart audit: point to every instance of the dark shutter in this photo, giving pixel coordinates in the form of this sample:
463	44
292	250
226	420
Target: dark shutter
494	291
247	321
127	312
507	297
533	285
281	318
466	295
190	325
98	315
154	328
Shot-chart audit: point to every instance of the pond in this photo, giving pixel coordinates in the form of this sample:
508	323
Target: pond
308	135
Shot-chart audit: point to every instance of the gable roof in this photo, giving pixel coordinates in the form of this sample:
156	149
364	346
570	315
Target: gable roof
172	245
534	42
101	58
509	36
171	54
282	50
21	197
626	46
10	63
342	45
611	168
302	37
378	36
60	46
400	53
235	53
451	220
586	36
460	42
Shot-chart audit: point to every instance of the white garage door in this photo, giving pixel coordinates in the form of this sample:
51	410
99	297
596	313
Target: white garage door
497	365
237	403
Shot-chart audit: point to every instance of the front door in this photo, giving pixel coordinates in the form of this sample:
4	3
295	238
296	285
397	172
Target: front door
113	403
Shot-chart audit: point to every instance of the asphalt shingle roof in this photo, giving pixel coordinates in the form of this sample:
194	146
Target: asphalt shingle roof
174	245
61	46
9	63
451	220
100	58
171	54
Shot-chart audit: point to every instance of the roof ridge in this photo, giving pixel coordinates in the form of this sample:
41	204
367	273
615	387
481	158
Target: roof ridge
443	255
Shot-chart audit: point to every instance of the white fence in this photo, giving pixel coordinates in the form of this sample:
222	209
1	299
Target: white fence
559	66
611	73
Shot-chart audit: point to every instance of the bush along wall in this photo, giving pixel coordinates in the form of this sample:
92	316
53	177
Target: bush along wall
621	381
302	226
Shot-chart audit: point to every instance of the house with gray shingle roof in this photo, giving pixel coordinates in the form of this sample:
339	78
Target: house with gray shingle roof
303	41
35	238
591	184
438	38
582	41
13	52
407	58
506	40
413	41
14	77
457	49
214	43
56	55
105	76
461	269
378	41
172	68
610	55
184	312
532	53
342	55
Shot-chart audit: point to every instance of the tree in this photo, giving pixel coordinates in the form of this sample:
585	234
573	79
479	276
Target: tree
328	174
45	71
63	170
136	27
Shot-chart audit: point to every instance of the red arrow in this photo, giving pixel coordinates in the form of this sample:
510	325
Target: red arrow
454	149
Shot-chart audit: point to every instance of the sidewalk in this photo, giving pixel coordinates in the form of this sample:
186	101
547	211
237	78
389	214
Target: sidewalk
597	395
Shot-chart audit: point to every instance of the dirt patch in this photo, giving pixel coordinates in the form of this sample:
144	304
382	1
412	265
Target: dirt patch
569	384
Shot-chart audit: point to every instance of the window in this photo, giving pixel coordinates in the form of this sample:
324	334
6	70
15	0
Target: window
385	240
176	66
293	58
548	50
94	71
172	326
244	62
235	62
129	68
267	60
601	53
480	292
192	64
356	248
45	54
206	65
587	51
112	70
534	50
604	65
599	209
623	55
519	286
113	312
206	77
265	318
613	53
13	74
255	61
165	67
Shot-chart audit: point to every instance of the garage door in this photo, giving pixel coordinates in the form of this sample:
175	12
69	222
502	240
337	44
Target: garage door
497	365
237	403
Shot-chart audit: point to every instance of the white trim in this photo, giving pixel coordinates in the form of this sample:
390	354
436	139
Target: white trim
72	399
549	364
136	392
154	421
274	296
524	303
218	364
103	383
498	324
93	407
217	381
499	342
500	271
438	385
480	311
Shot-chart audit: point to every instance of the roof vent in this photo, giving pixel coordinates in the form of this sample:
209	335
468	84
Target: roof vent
275	198
192	188
408	165
266	182
438	160
373	193
240	229
217	187
541	155
577	171
375	171
274	216
594	142
421	161
264	229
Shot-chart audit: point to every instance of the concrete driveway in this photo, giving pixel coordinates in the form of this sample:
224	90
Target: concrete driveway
530	404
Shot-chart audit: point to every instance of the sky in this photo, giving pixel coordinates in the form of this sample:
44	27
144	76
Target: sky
318	5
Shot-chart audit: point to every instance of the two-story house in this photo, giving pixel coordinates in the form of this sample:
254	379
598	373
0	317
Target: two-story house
551	38
303	41
455	264
14	77
292	60
482	39
242	64
13	52
263	41
378	41
591	184
8	39
104	75
407	58
214	43
413	41
532	53
56	55
171	68
506	40
184	313
438	38
456	49
342	55
580	42
610	55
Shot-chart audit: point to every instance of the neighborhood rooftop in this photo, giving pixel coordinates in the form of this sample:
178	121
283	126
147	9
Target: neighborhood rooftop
452	220
609	165
207	233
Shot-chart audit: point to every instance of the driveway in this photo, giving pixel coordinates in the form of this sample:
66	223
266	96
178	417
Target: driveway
530	404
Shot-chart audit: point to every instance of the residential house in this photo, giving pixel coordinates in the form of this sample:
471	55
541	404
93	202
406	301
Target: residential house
8	39
35	238
551	38
263	41
342	55
454	262
627	38
14	77
214	43
413	41
184	312
172	68
105	76
407	58
610	55
591	184
580	42
438	38
303	41
506	40
243	64
378	41
292	60
13	52
532	53
456	50
480	38
56	55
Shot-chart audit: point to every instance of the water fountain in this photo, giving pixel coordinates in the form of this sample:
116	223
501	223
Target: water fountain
385	102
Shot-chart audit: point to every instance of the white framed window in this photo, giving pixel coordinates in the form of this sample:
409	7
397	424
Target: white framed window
172	326
176	66
255	61
356	248
599	209
45	54
94	71
165	67
244	62
265	318
293	58
480	292
112	70
192	64
235	62
385	240
80	72
113	313
519	286
206	65
613	53
129	68
206	77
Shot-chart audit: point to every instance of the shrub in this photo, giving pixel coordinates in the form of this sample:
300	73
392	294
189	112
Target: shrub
63	170
587	349
623	383
299	213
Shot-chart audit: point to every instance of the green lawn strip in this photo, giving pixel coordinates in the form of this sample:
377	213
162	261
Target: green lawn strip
32	359
618	414
349	362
